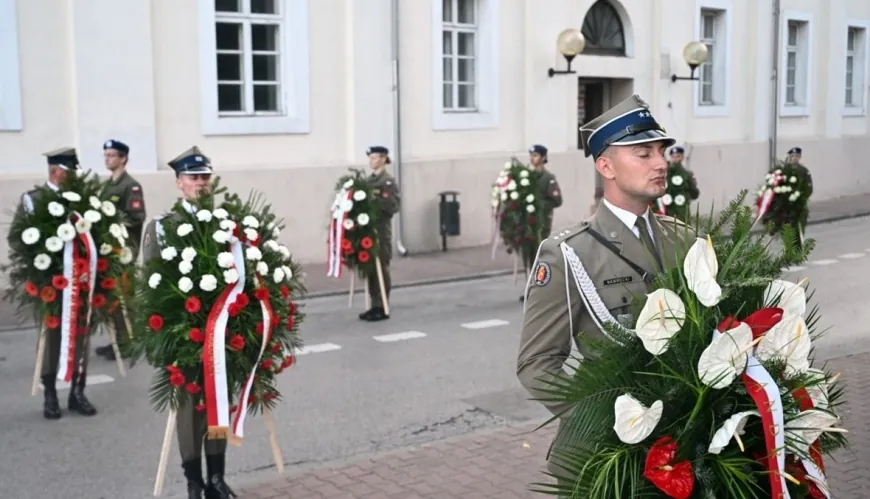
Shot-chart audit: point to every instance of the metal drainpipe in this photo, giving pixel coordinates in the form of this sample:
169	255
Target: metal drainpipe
774	115
397	121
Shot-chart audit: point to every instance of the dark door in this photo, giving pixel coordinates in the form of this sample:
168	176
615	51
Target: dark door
591	105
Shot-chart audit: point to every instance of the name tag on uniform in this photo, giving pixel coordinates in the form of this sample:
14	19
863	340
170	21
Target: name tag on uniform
618	280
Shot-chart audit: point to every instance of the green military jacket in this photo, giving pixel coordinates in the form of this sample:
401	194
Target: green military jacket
28	200
386	191
552	196
151	240
554	314
128	196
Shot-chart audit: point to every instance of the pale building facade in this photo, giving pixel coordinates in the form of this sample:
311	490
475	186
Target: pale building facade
284	95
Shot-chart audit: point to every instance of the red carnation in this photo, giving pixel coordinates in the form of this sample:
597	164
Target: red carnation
108	283
59	282
366	242
290	321
363	256
237	342
242	300
155	322
48	294
276	348
80	267
99	301
172	368
259	328
196	335
31	289
346	245
288	361
102	265
285	291
192	388
292	307
192	305
52	322
234	310
266	364
261	294
176	379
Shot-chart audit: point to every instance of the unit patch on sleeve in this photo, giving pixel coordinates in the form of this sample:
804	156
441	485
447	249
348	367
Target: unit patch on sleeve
542	274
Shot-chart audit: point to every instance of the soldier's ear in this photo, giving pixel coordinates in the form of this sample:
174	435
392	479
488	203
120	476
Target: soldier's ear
605	167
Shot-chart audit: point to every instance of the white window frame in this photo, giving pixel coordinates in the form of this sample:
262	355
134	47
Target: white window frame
294	72
722	62
862	62
487	86
790	110
10	73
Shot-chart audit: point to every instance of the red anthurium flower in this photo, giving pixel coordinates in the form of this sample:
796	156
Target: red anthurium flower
192	388
196	335
762	320
675	480
176	379
31	289
155	322
52	322
193	305
59	282
102	265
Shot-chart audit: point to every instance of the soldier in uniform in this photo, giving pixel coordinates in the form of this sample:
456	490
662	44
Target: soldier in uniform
386	190
623	245
126	192
193	174
61	163
549	192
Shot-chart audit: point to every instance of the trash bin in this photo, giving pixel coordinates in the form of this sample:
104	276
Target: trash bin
448	209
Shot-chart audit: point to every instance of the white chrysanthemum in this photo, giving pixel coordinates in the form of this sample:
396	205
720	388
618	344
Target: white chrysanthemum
109	209
92	216
253	253
231	276
185	267
363	219
72	197
184	229
169	253
185	284
204	215
95	202
515	195
677	180
66	232
225	260
251	222
188	254
679	200
105	249
347	224
221	236
83	226
42	261
530	208
359	195
263	268
208	283
278	276
54	244
30	236
56	209
115	230
126	255
220	213
154	280
530	198
524	182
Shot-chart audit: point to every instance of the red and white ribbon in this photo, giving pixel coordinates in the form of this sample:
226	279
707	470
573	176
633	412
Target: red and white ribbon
217	403
661	209
767	198
80	248
336	234
815	467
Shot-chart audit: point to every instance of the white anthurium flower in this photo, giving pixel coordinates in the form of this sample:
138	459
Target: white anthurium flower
661	318
221	236
348	224
725	357
231	276
82	226
126	255
30	236
788	340
359	195
253	253
512	186
185	284
168	253
225	260
95	202
72	197
679	200
55	244
677	180
530	208
363	219
250	221
348	184
56	209
803	431
278	276
667	200
154	280
700	268
346	205
204	215
115	231
263	268
220	213
185	267
188	254
42	261
184	229
790	297
818	389
524	182
124	233
732	428
208	283
92	216
634	422
105	249
109	209
66	232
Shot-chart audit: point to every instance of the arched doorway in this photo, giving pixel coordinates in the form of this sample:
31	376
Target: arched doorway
604	30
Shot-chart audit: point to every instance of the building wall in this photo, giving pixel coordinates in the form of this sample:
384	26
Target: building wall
89	70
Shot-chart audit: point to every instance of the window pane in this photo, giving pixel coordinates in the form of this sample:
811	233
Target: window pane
790	77
447	64
466	96
230	97
789	95
466	43
447	100
706	94
265	67
229	67
466	70
264	7
466	12
707	74
850	64
792	34
447	43
849	96
709	25
791	61
850	39
228	36
266	98
447	11
227	6
264	37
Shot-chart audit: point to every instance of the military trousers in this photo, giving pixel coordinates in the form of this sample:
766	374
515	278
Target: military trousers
375	286
191	427
51	356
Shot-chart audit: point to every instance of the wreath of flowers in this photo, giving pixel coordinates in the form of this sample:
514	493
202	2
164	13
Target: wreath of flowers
353	235
681	190
784	197
223	286
63	224
518	208
714	392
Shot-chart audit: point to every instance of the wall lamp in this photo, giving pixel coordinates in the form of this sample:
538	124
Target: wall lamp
695	54
570	43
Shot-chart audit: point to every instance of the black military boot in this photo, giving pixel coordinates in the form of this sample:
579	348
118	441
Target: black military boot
377	314
365	315
51	406
193	474
77	400
104	350
217	487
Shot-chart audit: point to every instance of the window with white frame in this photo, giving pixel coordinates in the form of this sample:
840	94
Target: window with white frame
796	69
856	58
10	83
713	71
459	41
254	66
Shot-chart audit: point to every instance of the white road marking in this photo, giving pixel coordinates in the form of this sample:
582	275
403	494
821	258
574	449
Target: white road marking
852	256
407	335
796	268
96	379
829	261
485	324
319	348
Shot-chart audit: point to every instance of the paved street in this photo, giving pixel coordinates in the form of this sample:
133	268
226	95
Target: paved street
363	394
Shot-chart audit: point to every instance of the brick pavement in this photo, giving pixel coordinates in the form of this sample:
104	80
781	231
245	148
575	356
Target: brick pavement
502	463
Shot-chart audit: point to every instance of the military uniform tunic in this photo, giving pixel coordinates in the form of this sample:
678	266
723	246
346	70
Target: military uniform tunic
552	199
387	191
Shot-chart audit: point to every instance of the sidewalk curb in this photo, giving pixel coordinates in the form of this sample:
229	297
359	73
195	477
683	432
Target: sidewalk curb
500	273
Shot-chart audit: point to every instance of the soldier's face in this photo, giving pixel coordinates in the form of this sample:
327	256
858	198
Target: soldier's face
536	159
377	161
794	158
192	185
639	171
113	159
677	157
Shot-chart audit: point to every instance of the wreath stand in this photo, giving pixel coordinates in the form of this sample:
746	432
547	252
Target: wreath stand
163	463
381	285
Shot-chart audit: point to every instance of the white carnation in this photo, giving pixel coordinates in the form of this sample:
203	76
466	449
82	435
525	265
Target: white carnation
227	225
530	208
276	232
263	268
278	276
363	219
185	284
184	229
220	213
515	195
208	283
250	221
284	250
30	236
42	261
204	216
109	209
225	260
154	280
793	180
288	272
253	253
231	276
66	232
56	209
359	195
347	224
54	244
530	198
126	255
188	254
221	236
169	253
348	184
185	267
512	186
251	234
271	245
524	182
667	200
72	197
504	196
524	173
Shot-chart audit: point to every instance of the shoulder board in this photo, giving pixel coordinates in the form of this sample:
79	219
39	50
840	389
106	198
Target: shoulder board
671	220
160	217
570	232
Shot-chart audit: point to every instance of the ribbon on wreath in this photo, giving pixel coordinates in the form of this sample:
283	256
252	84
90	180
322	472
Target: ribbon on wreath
815	467
661	209
79	267
766	199
336	234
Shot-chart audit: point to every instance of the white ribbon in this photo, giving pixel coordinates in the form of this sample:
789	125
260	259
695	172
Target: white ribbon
67	342
336	234
816	475
242	411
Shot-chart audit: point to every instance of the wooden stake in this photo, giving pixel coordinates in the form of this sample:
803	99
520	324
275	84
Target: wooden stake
164	454
516	267
273	440
126	317
352	289
384	299
37	369
113	338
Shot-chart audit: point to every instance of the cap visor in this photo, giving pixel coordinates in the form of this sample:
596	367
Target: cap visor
196	170
645	137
